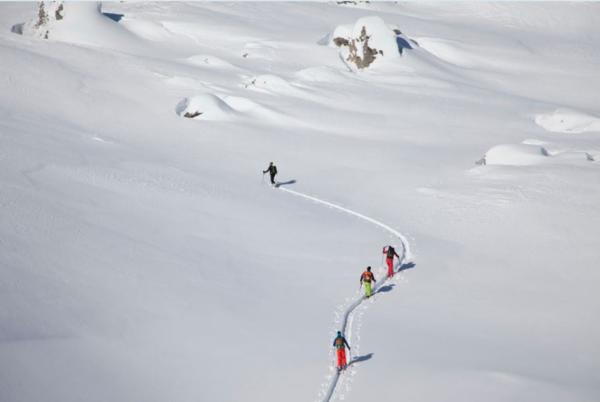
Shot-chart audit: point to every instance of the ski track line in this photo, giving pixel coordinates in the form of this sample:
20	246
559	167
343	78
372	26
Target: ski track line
346	321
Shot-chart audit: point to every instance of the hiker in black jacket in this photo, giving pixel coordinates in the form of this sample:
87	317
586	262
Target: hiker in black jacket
272	169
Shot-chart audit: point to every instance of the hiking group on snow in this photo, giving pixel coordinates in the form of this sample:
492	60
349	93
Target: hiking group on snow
367	279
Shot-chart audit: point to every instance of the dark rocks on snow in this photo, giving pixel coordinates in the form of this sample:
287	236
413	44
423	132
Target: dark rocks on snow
42	16
191	115
360	53
344	2
341	41
58	13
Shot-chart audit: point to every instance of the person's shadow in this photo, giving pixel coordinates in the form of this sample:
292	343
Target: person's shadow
386	288
284	183
406	265
390	286
358	359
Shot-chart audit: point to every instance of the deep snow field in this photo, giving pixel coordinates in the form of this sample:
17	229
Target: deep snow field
144	257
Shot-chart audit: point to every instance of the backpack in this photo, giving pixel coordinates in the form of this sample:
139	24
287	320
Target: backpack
390	252
274	169
339	342
367	276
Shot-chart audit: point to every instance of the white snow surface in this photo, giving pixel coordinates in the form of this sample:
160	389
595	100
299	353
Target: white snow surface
516	154
144	257
568	121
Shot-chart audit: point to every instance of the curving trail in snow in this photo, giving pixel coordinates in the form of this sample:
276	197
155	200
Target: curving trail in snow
349	311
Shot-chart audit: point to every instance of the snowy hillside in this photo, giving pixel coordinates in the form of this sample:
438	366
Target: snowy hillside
145	257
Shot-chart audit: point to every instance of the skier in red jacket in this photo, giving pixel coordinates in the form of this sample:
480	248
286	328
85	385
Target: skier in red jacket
390	252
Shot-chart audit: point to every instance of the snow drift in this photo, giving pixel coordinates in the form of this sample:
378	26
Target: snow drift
205	106
568	121
528	154
515	155
143	260
78	22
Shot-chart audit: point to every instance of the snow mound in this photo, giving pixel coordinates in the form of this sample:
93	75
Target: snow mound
368	40
253	109
146	29
225	107
77	22
515	155
568	121
259	50
205	106
527	154
451	52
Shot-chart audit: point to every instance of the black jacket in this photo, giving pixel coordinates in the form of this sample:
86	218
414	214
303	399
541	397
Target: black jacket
272	169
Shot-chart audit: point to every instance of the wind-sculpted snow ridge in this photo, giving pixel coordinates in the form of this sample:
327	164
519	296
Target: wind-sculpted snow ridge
346	321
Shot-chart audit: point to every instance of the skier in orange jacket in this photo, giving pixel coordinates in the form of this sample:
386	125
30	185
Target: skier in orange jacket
365	280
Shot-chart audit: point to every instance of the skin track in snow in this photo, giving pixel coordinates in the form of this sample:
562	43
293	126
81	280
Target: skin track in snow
348	313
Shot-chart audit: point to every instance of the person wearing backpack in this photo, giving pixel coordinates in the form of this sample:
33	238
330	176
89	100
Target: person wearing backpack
272	169
365	280
340	345
390	252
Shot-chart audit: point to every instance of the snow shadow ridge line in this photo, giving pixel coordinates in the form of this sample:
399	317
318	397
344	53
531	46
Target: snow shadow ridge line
406	256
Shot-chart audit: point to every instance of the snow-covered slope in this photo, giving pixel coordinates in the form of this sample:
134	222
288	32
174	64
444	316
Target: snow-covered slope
143	256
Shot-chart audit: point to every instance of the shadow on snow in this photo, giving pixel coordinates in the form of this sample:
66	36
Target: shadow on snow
113	16
358	359
390	286
284	183
406	265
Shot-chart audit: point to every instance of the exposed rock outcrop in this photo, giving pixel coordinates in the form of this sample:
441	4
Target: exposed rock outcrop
368	40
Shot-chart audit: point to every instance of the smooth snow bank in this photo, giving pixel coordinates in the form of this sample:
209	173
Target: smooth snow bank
212	107
529	153
148	30
254	109
321	74
81	23
568	121
515	155
205	107
463	54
